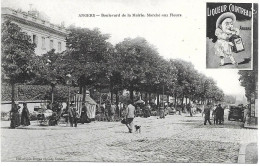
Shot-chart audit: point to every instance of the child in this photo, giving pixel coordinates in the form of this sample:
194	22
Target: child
224	30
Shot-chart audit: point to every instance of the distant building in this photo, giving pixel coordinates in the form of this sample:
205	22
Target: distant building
44	34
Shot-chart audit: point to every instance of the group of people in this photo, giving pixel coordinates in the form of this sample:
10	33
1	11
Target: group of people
131	112
73	117
109	110
217	114
19	117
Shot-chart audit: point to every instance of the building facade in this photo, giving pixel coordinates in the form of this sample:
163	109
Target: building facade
44	34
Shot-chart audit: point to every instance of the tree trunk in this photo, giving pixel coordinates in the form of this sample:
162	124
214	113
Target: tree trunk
149	97
145	98
117	102
80	89
131	93
168	98
175	100
84	93
13	97
111	96
158	99
52	94
182	102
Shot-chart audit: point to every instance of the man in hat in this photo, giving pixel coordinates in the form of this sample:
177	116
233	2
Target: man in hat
207	114
72	114
224	31
112	111
220	114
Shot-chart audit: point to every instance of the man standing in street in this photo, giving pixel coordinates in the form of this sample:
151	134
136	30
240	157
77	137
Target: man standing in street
207	114
188	107
214	115
112	111
130	114
220	114
107	110
72	115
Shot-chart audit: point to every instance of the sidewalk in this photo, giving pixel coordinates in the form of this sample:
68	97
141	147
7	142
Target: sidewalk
248	154
36	126
251	122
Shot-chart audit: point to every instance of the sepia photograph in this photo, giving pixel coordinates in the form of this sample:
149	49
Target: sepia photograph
117	81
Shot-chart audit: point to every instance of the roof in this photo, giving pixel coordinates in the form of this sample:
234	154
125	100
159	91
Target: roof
29	19
89	100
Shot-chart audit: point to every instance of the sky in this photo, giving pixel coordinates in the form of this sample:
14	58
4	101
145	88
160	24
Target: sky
174	37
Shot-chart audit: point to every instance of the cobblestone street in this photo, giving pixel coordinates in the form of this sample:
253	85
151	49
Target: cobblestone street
177	138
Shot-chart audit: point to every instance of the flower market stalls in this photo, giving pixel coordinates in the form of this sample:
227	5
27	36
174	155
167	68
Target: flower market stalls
90	104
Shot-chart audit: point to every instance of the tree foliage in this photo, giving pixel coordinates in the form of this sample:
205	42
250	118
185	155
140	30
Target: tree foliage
248	80
133	64
17	53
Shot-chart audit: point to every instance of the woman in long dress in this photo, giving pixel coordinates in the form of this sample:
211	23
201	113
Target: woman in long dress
25	116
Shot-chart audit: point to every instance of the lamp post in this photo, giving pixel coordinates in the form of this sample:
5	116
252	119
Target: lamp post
53	83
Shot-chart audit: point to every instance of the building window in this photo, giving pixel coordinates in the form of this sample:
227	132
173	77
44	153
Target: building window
51	44
59	46
35	39
43	43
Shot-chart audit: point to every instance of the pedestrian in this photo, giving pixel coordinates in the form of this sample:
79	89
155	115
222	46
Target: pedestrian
245	113
112	111
219	114
72	115
102	108
107	110
25	115
178	108
138	111
83	115
130	114
19	115
207	114
188	107
146	111
214	115
14	115
161	112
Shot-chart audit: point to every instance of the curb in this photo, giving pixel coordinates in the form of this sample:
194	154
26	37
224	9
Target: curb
242	154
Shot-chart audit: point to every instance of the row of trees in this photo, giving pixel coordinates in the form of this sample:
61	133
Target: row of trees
248	79
94	63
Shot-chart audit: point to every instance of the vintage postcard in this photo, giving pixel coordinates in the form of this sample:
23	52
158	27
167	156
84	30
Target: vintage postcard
117	81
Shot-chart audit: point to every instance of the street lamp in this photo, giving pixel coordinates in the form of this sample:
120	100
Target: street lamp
53	83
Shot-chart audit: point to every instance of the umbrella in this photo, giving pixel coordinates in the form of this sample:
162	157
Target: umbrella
139	102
